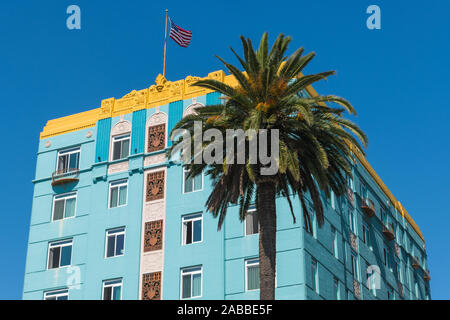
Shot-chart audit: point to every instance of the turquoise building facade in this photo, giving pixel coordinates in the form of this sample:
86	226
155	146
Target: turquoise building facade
112	218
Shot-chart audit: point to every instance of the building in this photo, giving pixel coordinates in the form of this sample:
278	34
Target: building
112	218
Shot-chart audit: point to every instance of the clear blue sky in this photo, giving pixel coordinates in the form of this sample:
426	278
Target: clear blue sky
396	77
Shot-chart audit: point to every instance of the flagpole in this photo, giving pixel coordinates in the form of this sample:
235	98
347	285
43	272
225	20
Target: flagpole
165	45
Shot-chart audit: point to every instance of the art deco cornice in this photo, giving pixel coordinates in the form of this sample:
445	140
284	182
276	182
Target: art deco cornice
159	94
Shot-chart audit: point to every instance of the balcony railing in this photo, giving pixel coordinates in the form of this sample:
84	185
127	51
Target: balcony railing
65	176
368	207
415	263
388	231
426	275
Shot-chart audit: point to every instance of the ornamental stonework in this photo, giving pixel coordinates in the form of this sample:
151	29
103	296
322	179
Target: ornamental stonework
353	241
156	137
155	186
357	289
153	236
151	286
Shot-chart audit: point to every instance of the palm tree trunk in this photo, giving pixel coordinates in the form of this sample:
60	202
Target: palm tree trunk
267	218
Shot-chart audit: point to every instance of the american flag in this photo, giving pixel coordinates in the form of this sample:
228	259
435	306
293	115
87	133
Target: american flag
179	35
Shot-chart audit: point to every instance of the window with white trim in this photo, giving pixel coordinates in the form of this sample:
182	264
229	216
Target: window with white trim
115	242
62	294
118	191
191	282
112	289
68	160
351	220
251	222
252	275
59	254
335	242
121	147
64	206
314	275
192	228
365	234
336	289
192	184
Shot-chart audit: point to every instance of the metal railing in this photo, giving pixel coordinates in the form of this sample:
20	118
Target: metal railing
65	175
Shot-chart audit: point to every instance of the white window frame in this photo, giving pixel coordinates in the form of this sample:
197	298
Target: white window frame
251	263
68	152
333	200
56	294
336	288
184	180
117	184
61	244
64	196
366	234
355	265
120	137
315	275
191	218
115	232
351	220
191	271
112	283
252	211
335	243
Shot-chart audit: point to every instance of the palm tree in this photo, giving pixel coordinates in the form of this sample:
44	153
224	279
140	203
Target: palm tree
315	142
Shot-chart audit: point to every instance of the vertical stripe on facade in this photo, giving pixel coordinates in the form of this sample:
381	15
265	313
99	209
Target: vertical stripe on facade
138	132
175	115
102	143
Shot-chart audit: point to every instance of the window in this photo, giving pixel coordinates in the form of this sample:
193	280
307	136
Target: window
192	228
68	160
118	193
350	182
354	261
252	275
390	293
336	289
64	206
351	220
62	294
192	184
60	254
363	191
383	215
385	257
335	241
191	283
314	275
365	234
333	200
121	147
115	242
112	290
251	222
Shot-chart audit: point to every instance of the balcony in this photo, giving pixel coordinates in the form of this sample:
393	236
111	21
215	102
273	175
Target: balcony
415	263
368	207
65	176
426	275
388	231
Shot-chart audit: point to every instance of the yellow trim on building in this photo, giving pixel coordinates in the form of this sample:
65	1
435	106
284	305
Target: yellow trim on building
164	92
398	206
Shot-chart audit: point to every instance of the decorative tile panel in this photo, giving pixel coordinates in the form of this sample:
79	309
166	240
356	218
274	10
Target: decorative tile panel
151	286
153	236
357	289
155	186
156	138
353	241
